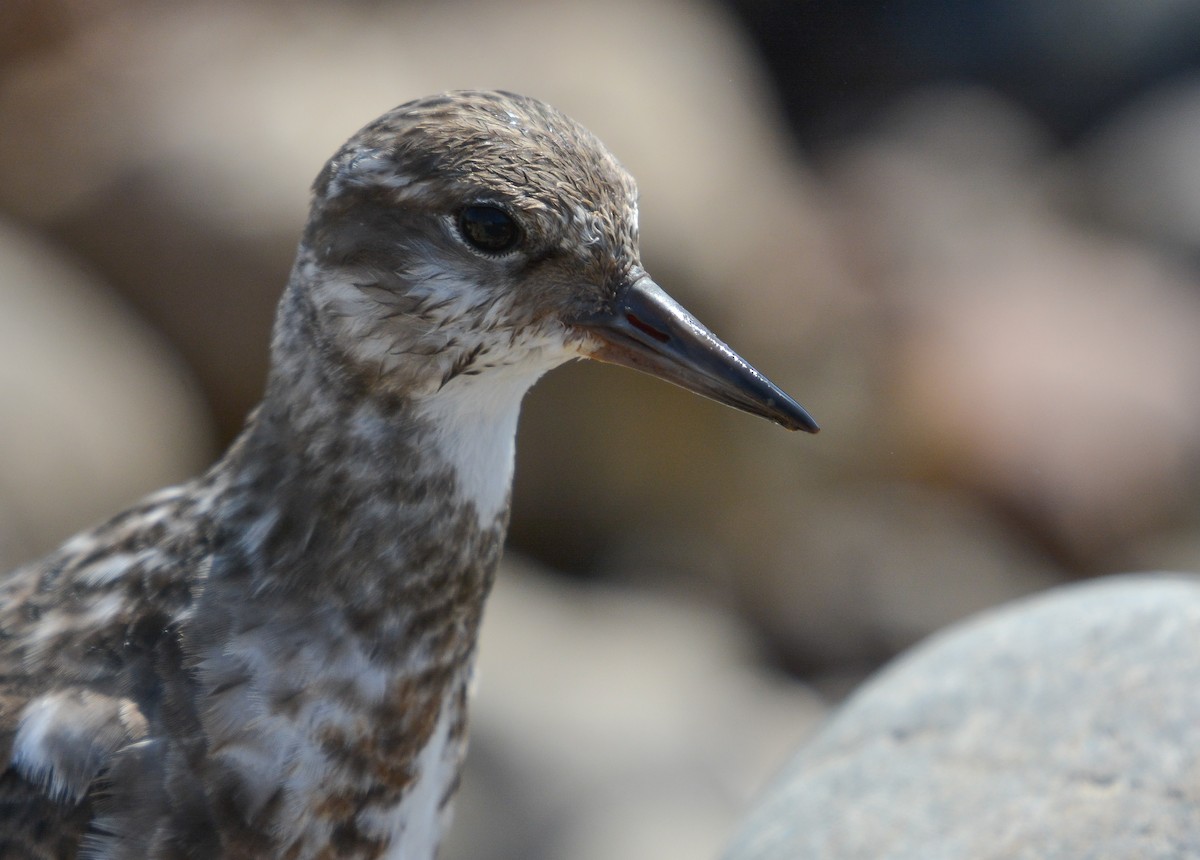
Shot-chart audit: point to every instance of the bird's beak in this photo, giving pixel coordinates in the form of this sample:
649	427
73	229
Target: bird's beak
647	330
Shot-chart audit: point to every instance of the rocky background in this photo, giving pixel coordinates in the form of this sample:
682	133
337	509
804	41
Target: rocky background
969	243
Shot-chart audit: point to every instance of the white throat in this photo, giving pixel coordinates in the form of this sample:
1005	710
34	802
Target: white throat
476	428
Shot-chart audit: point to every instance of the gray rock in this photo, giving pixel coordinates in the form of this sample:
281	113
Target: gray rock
1066	725
1140	165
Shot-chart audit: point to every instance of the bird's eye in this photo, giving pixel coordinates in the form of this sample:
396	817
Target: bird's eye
489	229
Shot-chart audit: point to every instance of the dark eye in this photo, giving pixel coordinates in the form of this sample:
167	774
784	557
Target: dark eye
489	229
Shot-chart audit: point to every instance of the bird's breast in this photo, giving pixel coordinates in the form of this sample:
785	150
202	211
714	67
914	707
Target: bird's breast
348	754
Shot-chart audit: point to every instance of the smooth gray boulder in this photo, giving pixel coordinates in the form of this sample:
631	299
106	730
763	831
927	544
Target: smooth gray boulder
1066	725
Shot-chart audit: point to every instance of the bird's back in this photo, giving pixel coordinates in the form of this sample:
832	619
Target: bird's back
93	681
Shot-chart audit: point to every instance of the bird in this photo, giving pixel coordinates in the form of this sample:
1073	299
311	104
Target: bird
273	659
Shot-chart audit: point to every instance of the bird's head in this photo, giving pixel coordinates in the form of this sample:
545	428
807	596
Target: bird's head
486	233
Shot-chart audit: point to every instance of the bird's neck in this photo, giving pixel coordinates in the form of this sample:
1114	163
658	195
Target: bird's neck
355	543
345	493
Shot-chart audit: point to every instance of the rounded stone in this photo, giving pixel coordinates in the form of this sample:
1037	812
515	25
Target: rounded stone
95	411
1065	725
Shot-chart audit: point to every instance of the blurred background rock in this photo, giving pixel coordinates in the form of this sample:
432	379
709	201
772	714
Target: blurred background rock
968	241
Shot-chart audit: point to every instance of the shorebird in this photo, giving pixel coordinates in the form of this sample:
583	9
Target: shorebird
272	660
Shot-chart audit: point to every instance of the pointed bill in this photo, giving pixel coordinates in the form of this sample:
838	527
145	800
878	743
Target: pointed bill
649	331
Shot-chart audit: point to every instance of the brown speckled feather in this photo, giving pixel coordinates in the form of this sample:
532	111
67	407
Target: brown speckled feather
272	661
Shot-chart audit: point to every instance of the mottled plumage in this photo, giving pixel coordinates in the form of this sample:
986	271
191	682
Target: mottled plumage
272	660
